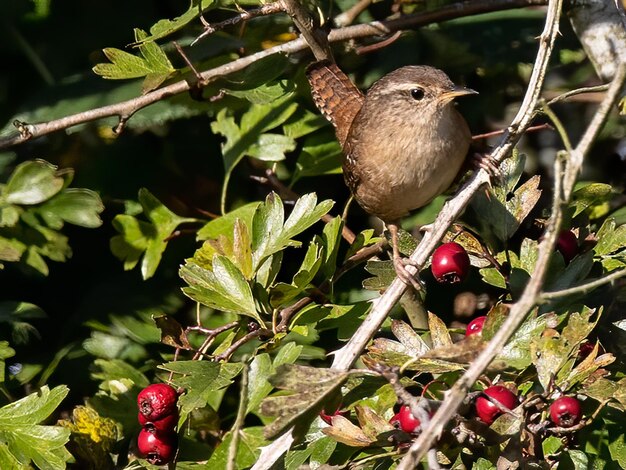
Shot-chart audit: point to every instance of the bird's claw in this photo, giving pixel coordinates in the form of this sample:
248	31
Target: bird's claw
405	276
486	162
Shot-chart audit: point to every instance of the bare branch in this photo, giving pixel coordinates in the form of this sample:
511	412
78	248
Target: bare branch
583	288
264	10
125	109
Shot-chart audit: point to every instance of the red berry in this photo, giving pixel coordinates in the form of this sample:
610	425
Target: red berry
328	417
450	263
475	327
565	412
567	244
157	448
166	424
405	420
156	401
487	411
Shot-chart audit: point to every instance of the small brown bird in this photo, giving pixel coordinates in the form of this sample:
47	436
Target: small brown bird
404	141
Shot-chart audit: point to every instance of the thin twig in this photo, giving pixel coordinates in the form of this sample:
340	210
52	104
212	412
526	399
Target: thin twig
264	10
240	342
125	109
583	288
347	17
578	91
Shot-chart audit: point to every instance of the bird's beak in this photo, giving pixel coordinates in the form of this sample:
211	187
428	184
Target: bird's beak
456	91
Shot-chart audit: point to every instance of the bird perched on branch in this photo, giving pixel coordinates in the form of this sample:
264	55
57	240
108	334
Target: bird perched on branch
404	142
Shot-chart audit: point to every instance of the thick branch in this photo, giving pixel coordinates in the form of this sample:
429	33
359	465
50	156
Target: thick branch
125	109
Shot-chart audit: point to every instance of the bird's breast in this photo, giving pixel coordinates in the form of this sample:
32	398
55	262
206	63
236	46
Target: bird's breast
408	166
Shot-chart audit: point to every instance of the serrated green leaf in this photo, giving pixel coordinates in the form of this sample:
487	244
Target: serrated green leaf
263	94
262	368
153	64
551	445
133	241
76	206
506	207
250	443
224	225
319	156
33	182
137	237
224	288
269	235
610	238
248	138
25	440
200	379
310	386
516	353
590	195
163	28
303	122
331	238
283	293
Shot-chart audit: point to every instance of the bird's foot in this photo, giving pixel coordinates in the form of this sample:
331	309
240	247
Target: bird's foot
411	280
486	162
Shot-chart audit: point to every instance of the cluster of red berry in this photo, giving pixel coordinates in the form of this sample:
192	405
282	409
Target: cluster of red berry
158	416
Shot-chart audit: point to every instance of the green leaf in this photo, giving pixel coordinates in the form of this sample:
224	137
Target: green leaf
319	156
24	440
33	182
516	353
590	195
262	368
224	225
283	293
264	93
248	450
610	238
225	288
506	208
201	379
137	237
153	63
163	28
248	138
311	387
76	206
269	235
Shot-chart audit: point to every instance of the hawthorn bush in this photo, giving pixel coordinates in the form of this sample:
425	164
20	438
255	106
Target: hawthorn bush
189	226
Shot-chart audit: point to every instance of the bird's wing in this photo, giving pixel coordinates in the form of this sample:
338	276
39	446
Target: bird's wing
335	95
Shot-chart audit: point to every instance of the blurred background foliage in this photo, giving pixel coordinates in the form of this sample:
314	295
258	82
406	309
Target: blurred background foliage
89	307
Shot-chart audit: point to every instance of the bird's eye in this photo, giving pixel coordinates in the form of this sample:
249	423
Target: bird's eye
417	94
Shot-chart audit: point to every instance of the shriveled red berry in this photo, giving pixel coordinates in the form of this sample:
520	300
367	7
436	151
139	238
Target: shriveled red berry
157	448
450	263
405	420
567	244
328	417
166	424
157	401
475	327
565	412
487	411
